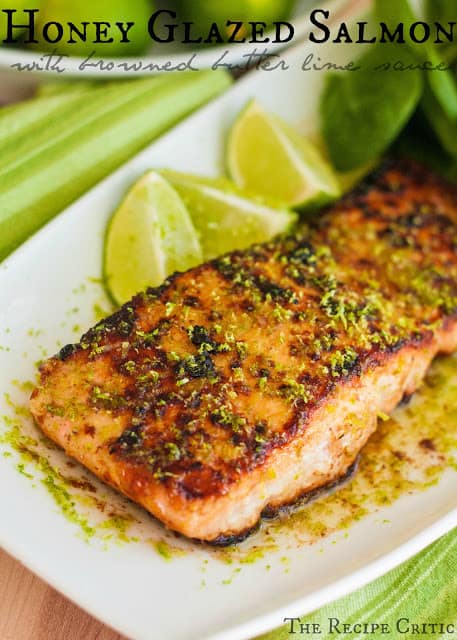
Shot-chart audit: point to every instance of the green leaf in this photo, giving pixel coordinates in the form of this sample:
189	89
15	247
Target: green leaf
363	111
444	129
442	82
442	11
393	12
443	85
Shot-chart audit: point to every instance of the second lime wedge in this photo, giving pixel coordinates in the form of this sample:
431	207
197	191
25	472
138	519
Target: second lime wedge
267	156
226	217
150	236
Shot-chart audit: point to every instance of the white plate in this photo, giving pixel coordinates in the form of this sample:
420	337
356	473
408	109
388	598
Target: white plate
161	54
129	586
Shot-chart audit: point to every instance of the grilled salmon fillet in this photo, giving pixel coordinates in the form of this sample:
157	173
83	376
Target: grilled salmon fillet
239	386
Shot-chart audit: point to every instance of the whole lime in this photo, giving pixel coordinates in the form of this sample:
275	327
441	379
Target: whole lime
204	12
18	18
91	11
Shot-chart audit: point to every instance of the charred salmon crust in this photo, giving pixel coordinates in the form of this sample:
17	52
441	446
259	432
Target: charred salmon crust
239	386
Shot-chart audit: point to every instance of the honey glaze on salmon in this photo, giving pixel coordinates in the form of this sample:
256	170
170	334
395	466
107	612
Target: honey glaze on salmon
241	385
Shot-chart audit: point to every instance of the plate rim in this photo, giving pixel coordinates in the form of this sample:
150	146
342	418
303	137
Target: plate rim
298	607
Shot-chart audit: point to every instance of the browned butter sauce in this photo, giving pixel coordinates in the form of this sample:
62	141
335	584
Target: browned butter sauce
409	452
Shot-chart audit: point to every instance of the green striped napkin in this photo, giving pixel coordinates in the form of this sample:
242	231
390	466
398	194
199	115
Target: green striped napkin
422	591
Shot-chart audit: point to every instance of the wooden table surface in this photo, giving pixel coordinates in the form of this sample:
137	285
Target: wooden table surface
31	610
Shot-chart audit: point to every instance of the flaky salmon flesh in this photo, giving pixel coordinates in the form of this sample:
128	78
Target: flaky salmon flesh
243	384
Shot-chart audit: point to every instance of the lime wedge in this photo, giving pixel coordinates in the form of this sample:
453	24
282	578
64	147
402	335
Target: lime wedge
226	217
267	156
149	237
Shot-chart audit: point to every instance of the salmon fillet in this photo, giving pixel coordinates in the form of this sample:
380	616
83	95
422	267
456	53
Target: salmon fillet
241	385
